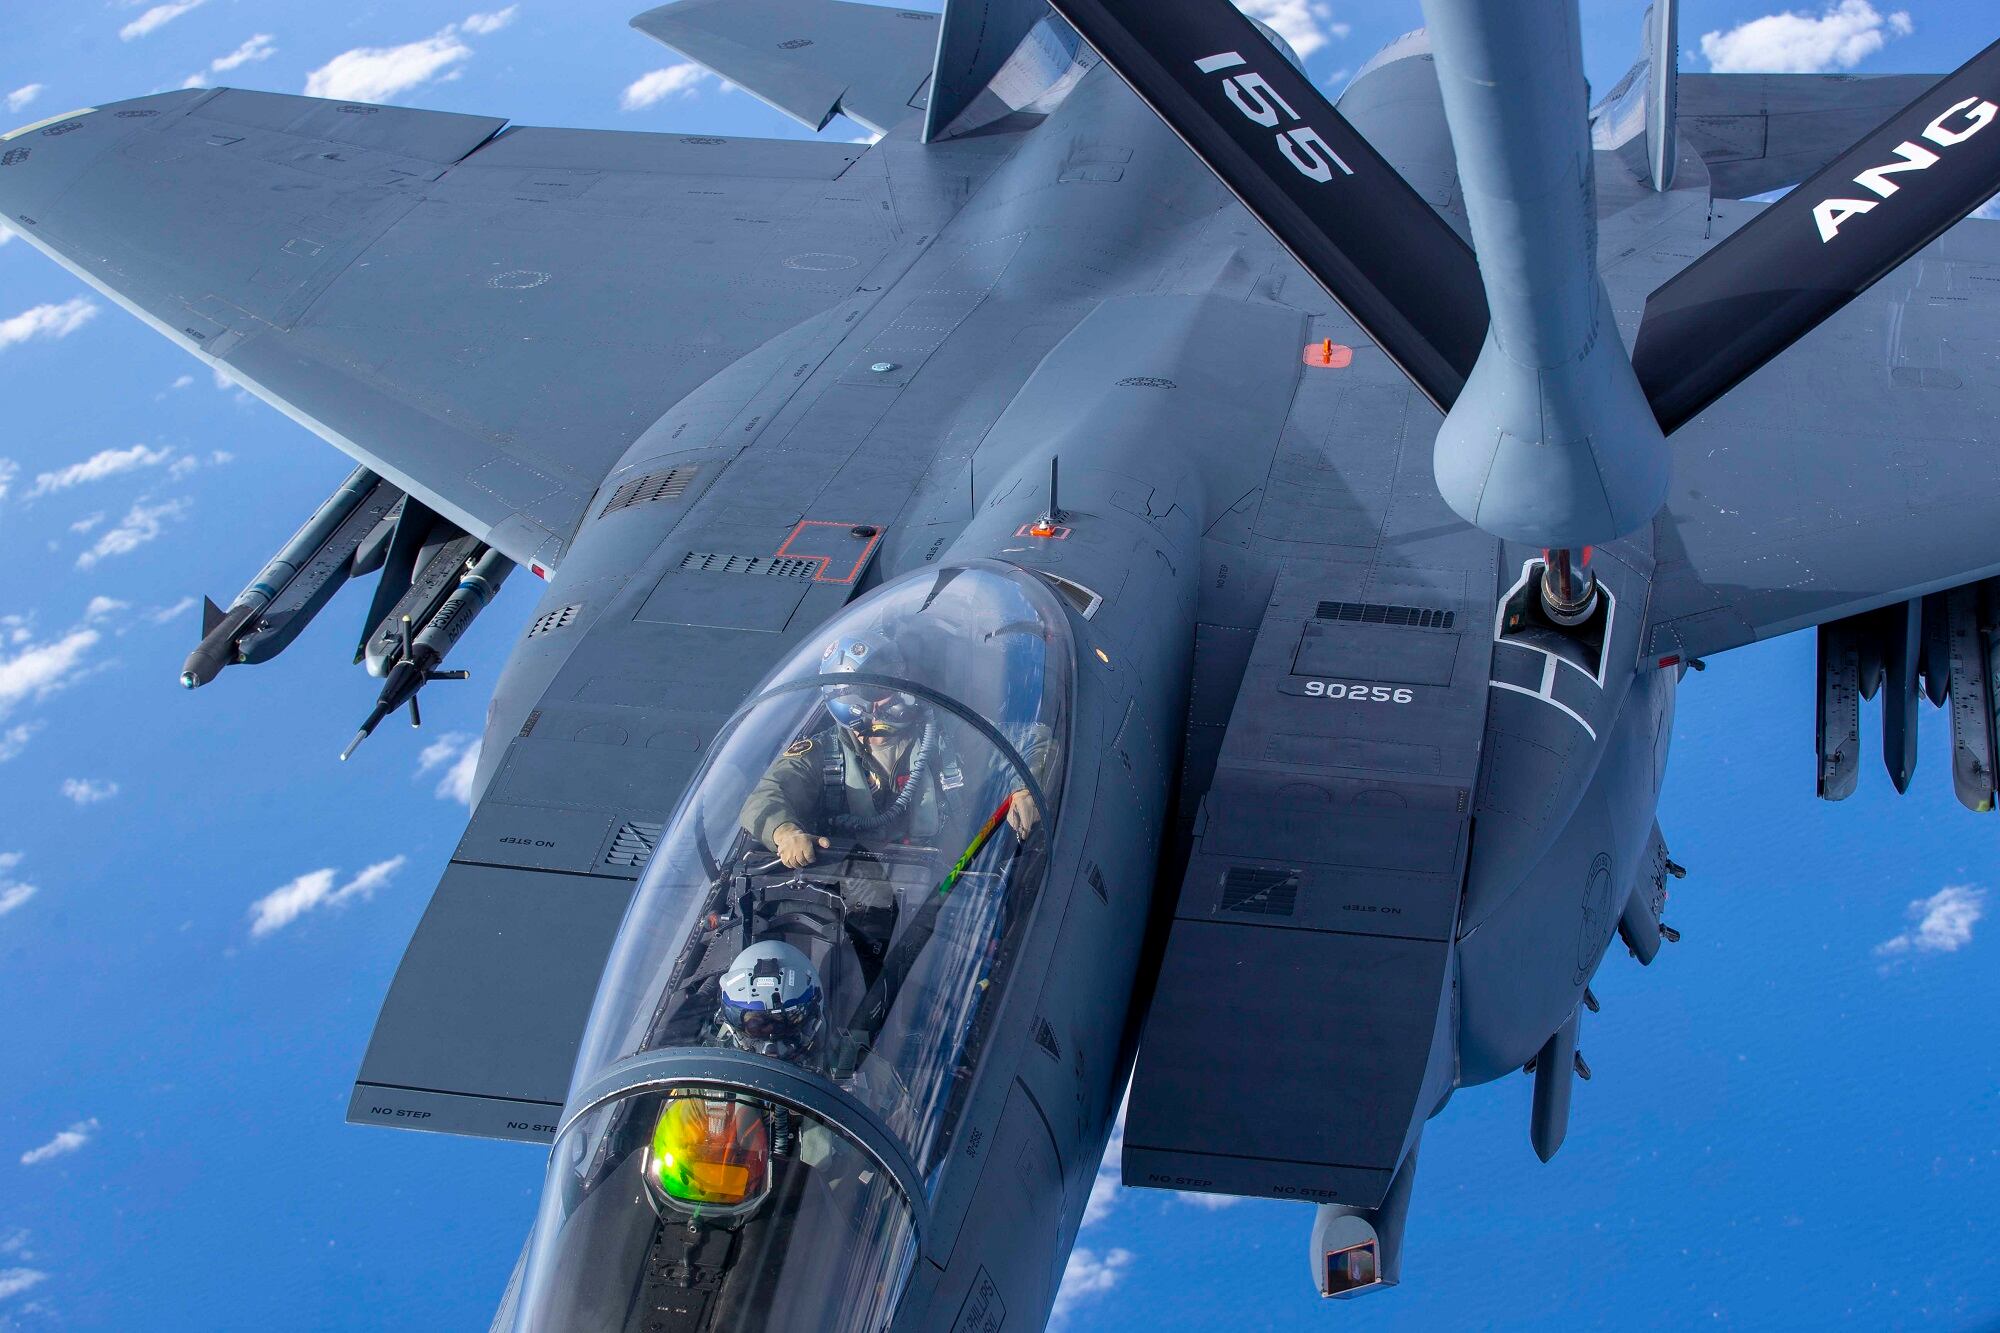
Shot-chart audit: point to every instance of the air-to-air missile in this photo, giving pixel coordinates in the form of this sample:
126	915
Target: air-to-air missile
443	557
343	535
422	645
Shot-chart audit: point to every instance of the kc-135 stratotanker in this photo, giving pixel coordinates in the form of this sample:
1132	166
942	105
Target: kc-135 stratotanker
1134	545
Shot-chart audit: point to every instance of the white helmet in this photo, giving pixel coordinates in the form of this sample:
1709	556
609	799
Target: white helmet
772	1001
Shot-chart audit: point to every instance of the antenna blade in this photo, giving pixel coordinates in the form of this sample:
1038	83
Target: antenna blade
1302	170
1805	257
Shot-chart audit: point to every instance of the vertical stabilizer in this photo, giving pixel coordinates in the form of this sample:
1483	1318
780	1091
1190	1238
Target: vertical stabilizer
975	40
1663	78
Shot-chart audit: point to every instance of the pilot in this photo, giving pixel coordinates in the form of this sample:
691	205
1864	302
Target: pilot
883	769
772	1003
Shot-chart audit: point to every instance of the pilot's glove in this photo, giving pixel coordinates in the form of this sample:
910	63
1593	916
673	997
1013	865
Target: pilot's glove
795	845
1022	815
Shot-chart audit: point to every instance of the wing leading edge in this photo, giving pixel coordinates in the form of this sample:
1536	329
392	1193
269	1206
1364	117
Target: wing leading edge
486	318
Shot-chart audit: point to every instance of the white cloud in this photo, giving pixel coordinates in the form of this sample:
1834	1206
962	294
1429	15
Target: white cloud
377	73
163	614
1943	923
1796	43
101	606
260	47
47	321
15	739
87	522
1990	210
13	892
458	754
104	463
1087	1276
1306	24
159	16
141	524
68	1141
21	96
1211	1202
9	470
482	25
14	1281
88	791
40	669
181	382
1105	1190
313	890
674	81
6	233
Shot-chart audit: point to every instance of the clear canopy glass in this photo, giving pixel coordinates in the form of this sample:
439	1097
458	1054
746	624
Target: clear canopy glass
844	890
709	1209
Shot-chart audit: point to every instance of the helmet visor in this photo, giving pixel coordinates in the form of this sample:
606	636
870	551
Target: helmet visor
871	708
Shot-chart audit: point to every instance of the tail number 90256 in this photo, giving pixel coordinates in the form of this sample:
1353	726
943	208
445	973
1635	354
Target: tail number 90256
1359	693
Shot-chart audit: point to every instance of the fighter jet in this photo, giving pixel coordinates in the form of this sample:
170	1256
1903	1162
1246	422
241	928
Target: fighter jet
1137	544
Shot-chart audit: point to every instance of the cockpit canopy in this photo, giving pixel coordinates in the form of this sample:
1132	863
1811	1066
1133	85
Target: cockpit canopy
840	897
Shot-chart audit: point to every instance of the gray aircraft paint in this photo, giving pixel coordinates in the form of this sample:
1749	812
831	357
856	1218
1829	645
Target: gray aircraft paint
900	340
1552	442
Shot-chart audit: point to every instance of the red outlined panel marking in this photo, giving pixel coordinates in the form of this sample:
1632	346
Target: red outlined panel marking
834	545
1056	535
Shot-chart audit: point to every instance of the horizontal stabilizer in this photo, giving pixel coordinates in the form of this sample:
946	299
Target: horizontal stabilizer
808	58
1302	170
1806	256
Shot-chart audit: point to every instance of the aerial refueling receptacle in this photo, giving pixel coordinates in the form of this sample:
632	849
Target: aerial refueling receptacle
295	583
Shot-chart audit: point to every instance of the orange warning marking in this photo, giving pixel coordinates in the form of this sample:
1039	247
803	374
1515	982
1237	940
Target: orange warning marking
816	546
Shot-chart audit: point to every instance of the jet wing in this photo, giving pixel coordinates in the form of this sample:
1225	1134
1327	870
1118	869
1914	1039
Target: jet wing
486	317
1758	132
1856	471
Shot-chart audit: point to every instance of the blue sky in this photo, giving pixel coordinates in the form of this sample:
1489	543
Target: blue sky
1794	1120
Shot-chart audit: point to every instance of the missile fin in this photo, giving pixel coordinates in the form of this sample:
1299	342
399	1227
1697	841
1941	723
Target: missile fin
1901	641
1936	663
1555	1070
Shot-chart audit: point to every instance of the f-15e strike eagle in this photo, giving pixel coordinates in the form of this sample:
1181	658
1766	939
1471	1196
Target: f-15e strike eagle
1135	544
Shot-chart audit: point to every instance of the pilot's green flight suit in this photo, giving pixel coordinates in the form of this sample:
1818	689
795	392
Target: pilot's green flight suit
828	775
800	787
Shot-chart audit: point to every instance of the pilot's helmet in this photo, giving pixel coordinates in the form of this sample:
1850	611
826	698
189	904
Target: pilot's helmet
772	1002
867	707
